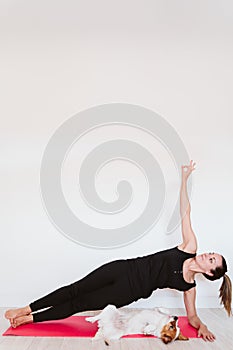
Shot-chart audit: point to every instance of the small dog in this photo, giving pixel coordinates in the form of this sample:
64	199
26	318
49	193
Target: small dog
114	323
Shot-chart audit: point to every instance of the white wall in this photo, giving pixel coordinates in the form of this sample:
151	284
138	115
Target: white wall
59	58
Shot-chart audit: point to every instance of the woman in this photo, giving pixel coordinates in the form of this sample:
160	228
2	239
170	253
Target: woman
123	281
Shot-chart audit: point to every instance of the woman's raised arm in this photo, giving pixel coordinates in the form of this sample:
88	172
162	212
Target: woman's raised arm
189	243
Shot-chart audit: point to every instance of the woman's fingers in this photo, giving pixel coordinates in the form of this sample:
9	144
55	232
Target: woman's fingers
190	166
193	163
210	338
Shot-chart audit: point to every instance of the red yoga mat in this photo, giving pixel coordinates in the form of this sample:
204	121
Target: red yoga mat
77	326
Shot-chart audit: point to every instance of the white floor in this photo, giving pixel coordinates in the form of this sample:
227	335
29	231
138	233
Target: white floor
216	319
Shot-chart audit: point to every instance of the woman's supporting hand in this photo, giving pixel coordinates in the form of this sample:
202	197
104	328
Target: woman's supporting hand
187	169
194	320
205	333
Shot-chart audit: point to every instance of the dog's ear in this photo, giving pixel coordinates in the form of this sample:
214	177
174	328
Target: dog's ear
181	337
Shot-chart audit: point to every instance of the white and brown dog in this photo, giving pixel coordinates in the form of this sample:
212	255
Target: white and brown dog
114	323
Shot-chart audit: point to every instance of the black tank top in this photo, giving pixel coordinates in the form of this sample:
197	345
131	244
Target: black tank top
158	270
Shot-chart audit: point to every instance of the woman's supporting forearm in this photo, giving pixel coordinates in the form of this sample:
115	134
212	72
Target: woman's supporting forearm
184	200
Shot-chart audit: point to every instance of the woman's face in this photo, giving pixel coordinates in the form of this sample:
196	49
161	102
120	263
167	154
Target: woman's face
208	261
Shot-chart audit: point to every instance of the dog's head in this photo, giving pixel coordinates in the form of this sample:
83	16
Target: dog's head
171	331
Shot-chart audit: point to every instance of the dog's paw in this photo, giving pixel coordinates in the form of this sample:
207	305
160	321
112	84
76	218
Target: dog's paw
149	329
106	342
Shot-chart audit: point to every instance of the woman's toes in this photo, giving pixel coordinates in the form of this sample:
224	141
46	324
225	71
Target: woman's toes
22	320
12	322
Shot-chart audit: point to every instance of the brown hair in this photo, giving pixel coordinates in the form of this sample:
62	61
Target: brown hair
225	291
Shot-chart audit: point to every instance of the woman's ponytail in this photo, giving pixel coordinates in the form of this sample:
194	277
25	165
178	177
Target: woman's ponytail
225	293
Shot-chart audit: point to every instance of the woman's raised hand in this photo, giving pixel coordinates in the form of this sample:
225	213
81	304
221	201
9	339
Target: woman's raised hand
187	169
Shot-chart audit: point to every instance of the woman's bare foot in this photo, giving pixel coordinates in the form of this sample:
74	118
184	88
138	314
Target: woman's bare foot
13	313
21	320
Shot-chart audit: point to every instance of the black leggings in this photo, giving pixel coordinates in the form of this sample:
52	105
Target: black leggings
108	284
